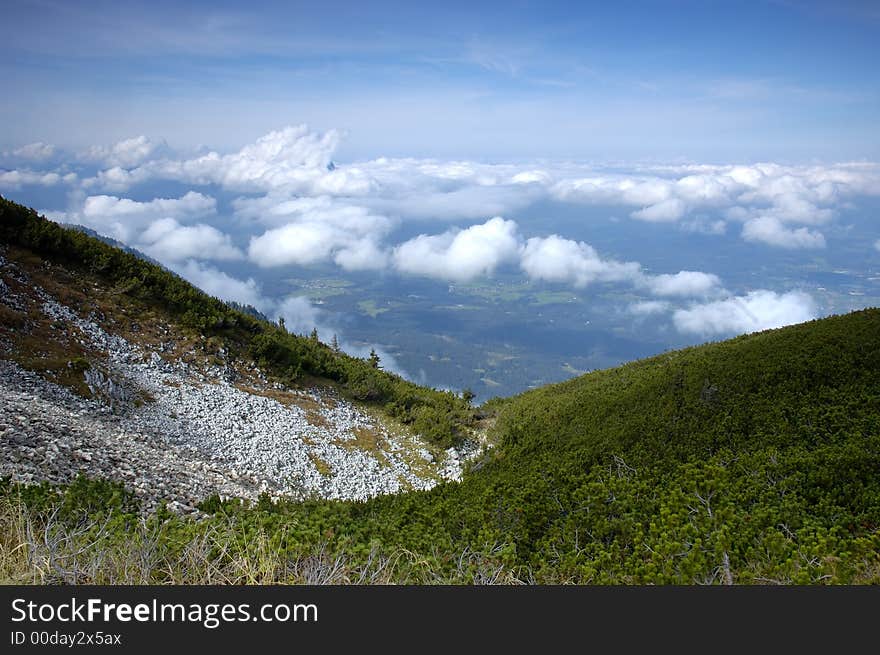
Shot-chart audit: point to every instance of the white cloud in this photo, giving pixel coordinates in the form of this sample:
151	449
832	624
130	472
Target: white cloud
797	195
192	203
465	203
223	286
342	181
300	315
707	188
459	255
797	207
757	310
602	188
667	210
308	212
683	283
276	209
540	177
35	152
116	179
436	190
314	230
296	243
126	153
555	259
649	307
123	218
362	255
770	230
312	213
702	226
15	179
168	240
158	226
294	158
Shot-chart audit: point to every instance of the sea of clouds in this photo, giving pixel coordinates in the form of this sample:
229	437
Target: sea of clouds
292	205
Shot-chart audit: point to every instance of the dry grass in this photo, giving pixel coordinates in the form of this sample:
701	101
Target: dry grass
51	353
318	420
322	466
369	440
50	348
12	319
35	341
409	444
86	294
282	396
41	549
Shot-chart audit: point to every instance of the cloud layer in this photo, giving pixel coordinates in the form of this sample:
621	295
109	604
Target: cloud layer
773	202
282	201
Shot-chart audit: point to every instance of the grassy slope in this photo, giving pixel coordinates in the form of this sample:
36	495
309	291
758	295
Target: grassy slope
755	459
751	460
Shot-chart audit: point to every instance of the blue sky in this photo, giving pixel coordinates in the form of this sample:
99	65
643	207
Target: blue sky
710	81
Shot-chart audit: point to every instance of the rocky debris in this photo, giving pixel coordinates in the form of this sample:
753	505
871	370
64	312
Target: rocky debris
453	465
103	386
12	271
7	297
49	434
171	431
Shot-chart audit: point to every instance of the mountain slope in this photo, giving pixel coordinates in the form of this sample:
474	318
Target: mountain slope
441	417
755	460
751	460
171	402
